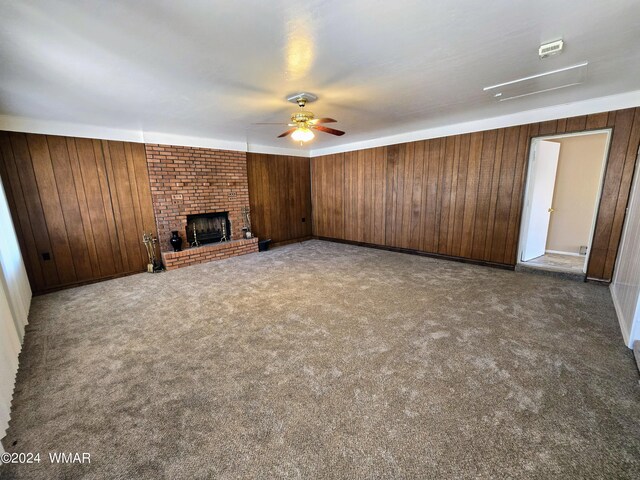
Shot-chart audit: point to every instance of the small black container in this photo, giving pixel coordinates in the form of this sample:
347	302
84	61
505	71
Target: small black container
176	241
263	245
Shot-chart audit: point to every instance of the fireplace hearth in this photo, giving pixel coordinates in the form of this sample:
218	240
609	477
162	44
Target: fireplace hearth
208	227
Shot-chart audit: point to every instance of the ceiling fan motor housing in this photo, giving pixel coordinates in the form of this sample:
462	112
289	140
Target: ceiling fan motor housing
302	117
303	121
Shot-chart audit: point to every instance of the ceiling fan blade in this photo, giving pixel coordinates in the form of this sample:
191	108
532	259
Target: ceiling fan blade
323	120
332	131
288	132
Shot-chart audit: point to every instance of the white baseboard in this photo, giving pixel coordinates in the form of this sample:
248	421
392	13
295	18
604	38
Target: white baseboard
573	254
623	327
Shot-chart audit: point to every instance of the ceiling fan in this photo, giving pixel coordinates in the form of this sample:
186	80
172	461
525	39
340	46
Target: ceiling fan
303	121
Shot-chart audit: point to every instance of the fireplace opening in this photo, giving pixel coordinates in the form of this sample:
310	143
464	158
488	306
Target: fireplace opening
209	227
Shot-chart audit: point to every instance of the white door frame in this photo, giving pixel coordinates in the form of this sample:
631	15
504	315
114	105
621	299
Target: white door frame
525	209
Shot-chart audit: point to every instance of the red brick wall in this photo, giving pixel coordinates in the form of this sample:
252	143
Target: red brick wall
189	180
208	253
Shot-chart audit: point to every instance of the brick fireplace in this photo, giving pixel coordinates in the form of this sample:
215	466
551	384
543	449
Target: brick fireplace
187	182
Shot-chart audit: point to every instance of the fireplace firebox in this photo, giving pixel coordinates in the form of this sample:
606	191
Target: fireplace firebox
209	227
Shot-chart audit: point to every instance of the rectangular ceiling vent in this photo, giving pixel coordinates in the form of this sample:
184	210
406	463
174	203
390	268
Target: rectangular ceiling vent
552	48
539	83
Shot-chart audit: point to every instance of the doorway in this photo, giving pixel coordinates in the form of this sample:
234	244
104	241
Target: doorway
564	184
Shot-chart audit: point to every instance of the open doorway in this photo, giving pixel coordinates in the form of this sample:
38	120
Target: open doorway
564	183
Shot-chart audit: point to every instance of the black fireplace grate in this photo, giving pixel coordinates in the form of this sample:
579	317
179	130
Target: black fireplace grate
209	227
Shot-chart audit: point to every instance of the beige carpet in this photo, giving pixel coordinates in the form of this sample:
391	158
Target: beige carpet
322	360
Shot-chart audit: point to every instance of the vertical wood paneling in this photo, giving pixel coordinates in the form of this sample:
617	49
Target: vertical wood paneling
575	124
337	220
515	207
329	183
415	224
380	196
471	193
431	192
20	213
495	191
407	156
34	210
131	200
52	210
280	196
453	155
350	165
80	189
85	212
483	198
462	195
360	204
117	200
124	191
315	185
504	192
366	177
460	174
610	191
108	205
622	200
446	181
548	128
561	126
366	157
596	121
392	153
133	195
70	209
102	236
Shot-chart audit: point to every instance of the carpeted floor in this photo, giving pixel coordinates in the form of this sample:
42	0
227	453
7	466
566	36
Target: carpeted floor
322	360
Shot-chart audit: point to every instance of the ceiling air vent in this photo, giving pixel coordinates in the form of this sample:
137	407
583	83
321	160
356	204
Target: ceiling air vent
552	48
539	83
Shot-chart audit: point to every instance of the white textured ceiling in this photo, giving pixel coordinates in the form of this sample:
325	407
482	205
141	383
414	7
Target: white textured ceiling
209	69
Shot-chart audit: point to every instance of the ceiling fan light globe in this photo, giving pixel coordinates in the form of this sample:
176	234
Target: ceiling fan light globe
302	135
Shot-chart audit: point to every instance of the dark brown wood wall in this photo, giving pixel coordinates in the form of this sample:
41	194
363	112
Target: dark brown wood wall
461	195
83	202
279	196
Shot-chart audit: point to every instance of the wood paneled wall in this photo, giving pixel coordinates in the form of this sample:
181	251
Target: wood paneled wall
279	196
81	203
462	195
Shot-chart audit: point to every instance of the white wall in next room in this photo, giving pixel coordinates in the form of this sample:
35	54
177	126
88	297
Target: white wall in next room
576	191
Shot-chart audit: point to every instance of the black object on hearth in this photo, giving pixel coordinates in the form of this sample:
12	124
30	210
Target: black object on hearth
175	241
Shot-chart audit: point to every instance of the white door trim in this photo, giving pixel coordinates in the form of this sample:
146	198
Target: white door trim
527	192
